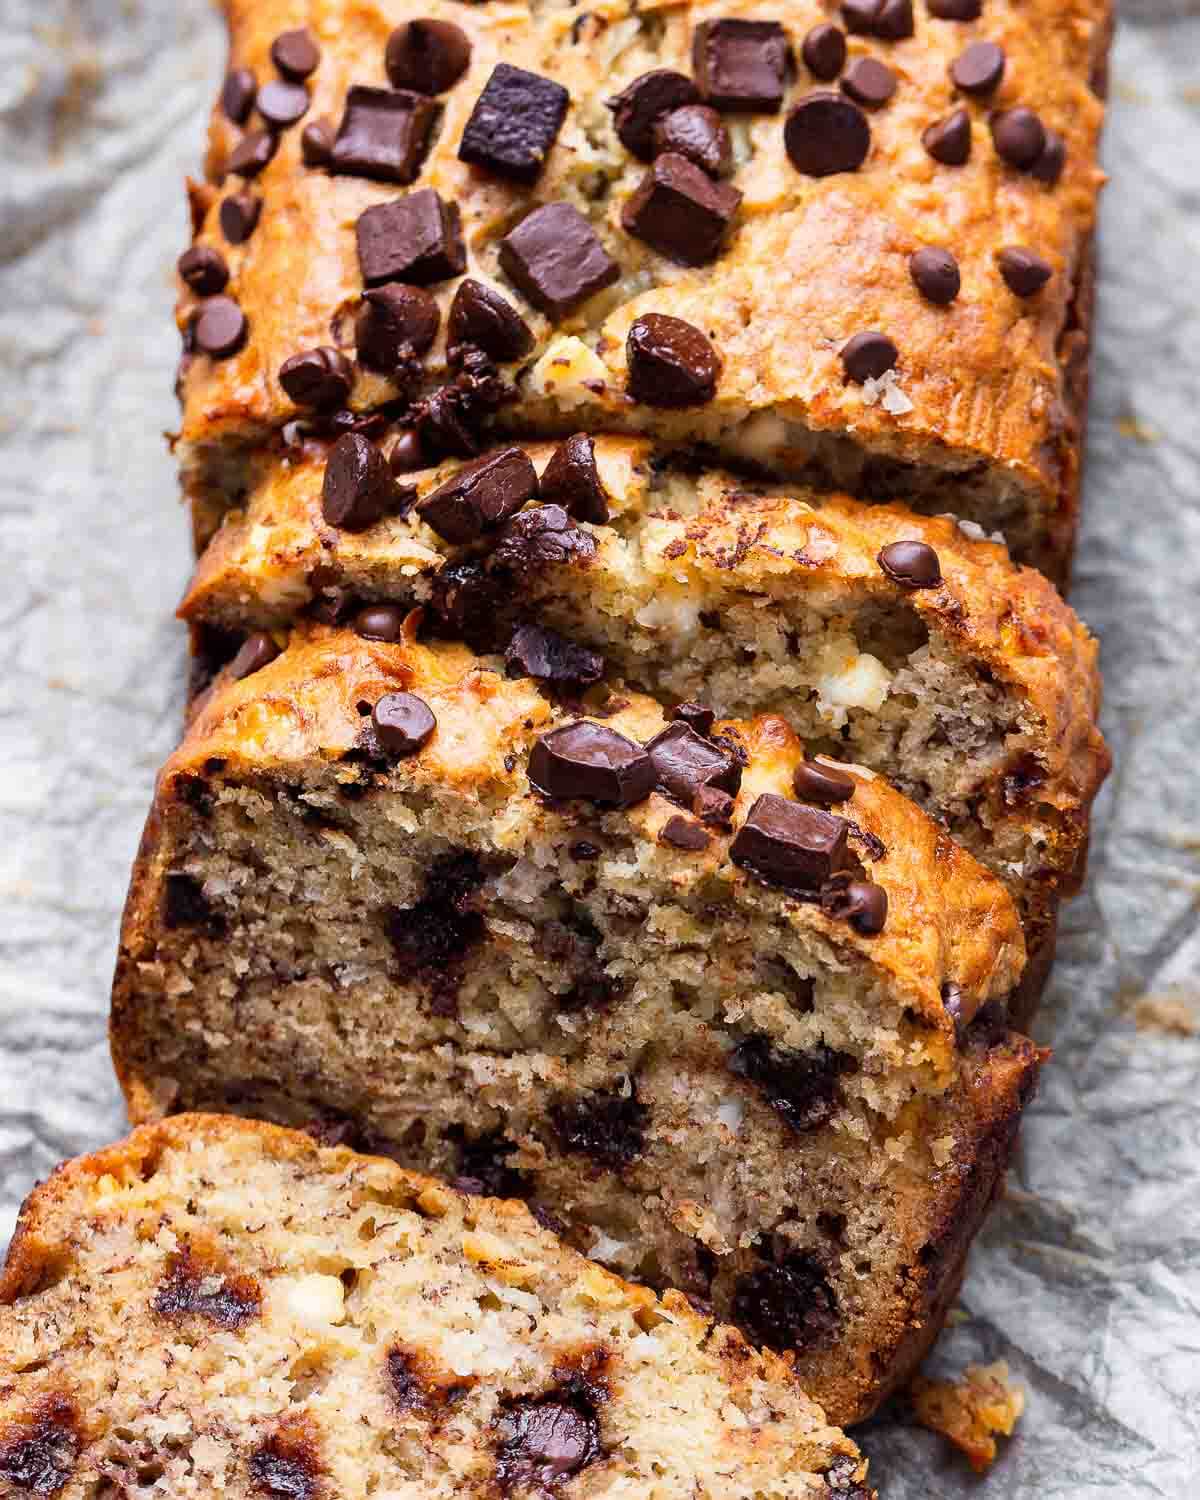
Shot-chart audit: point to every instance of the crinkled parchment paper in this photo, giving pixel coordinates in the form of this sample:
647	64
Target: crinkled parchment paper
1087	1279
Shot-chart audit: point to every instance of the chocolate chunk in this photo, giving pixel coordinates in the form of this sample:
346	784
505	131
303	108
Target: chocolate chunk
867	356
955	10
1049	166
219	327
697	132
1025	272
237	95
824	51
556	259
38	1454
358	486
433	939
741	64
515	122
787	1306
803	1088
543	538
572	480
479	315
380	622
545	1442
204	270
238	216
286	1466
817	783
640	106
257	651
1018	136
860	902
978	69
608	1127
696	717
826	133
253	152
403	723
187	1290
395	323
186	905
684	762
915	565
869	82
790	845
537	652
320	378
935	274
407	454
466	603
670	362
949	140
281	104
427	55
384	134
714	807
417	238
316	143
680	211
295	54
591	761
480	496
683	833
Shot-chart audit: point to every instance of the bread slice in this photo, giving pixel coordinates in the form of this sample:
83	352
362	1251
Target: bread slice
694	1046
774	270
215	1306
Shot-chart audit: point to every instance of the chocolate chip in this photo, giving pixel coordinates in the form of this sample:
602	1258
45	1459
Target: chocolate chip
914	565
640	106
238	216
1018	136
545	1442
394	323
543	538
204	270
741	64
671	363
787	1306
894	20
826	133
860	902
358	486
384	134
572	480
427	55
680	211
556	259
256	652
684	761
935	274
479	315
684	833
480	496
608	1127
1049	166
714	807
407	454
286	1466
295	53
417	238
38	1454
696	717
949	140
237	95
515	122
824	51
978	69
956	10
253	152
859	16
803	1088
465	603
186	905
697	132
1025	272
591	761
867	356
316	143
320	378
869	82
403	723
282	104
817	783
537	652
219	328
188	1290
790	845
380	622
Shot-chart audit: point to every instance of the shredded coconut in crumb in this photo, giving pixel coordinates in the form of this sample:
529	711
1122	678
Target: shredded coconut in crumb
886	391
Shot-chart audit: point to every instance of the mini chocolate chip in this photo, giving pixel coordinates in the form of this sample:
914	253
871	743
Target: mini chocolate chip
790	845
480	496
281	104
684	762
403	723
1049	166
935	274
695	716
956	10
237	95
544	1443
515	122
380	622
912	564
680	211
640	106
1025	272
817	783
556	259
826	133
394	323
479	315
256	652
697	132
238	216
407	454
319	378
417	238
427	55
253	152
295	53
714	807
868	355
824	51
572	480
537	652
741	64
684	833
204	270
949	140
894	20
868	82
591	761
543	538
316	143
671	363
1018	136
358	487
978	69
384	134
219	328
862	903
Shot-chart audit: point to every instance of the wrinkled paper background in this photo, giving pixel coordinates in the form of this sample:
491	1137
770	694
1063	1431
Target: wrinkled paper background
1087	1279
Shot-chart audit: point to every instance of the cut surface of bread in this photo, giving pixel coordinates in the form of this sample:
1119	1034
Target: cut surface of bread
221	1307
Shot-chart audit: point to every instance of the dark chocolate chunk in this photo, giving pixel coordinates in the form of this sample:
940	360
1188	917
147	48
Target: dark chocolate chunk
257	651
640	106
403	723
684	833
572	480
714	807
680	211
1018	136
537	652
935	274
697	132
670	362
787	844
684	762
384	134
433	939
407	454
186	905
804	1088
741	64
862	903
237	95
1049	166
320	378
545	537
187	1290
867	356
447	422
479	315
358	488
515	122
480	496
281	104
380	622
956	10
978	69
395	323
915	565
465	603
545	1442
817	783
608	1127
591	761
238	216
868	82
824	51
696	717
427	55
38	1454
949	140
316	143
826	133
286	1466
788	1306
555	257
219	327
1025	272
253	152
417	238
295	54
204	270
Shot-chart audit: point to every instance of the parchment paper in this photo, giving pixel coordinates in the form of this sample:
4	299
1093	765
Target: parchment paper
1087	1279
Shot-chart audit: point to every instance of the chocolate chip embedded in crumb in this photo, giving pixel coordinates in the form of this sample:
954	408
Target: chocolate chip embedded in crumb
546	1442
295	53
384	134
684	762
186	905
537	652
403	723
589	760
572	480
480	496
955	10
788	1306
609	1127
862	903
38	1452
541	538
826	133
192	1288
697	132
256	652
1025	272
639	107
253	152
479	315
1048	168
319	378
868	82
935	274
380	622
555	257
684	833
817	783
1018	136
867	356
316	143
358	487
803	1088
790	845
949	140
680	211
219	328
203	270
237	95
282	104
670	362
417	238
978	69
395	322
824	51
427	55
741	64
238	215
514	124
914	565
695	716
